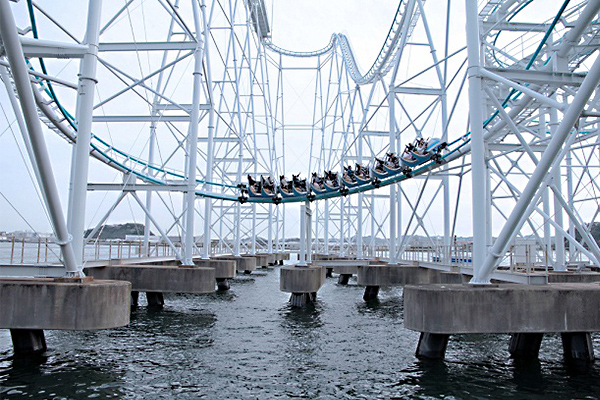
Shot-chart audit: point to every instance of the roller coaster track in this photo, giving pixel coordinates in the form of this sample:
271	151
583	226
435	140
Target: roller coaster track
61	122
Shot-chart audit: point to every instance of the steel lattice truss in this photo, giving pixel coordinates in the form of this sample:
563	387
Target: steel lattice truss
193	96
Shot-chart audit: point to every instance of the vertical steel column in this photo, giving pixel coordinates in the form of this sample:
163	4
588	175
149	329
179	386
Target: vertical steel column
302	254
308	232
392	108
359	218
479	216
326	227
552	150
16	59
559	262
342	216
571	204
192	141
210	140
270	230
545	196
83	115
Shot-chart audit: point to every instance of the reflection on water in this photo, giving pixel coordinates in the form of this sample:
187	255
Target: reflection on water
57	376
248	343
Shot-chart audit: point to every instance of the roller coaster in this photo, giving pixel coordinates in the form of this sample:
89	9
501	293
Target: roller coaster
531	58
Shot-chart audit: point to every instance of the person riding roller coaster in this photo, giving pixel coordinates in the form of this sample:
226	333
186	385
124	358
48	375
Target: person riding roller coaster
408	152
421	146
253	184
285	185
361	171
349	174
267	184
299	184
392	160
317	181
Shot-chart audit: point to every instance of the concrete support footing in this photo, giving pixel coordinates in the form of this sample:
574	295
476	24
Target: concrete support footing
245	264
135	296
223	284
160	278
572	309
371	293
577	346
394	275
525	345
432	345
44	303
343	279
301	280
28	341
155	299
302	299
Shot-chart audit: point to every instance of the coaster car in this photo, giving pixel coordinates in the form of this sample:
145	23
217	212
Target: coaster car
299	185
422	151
285	187
326	184
263	188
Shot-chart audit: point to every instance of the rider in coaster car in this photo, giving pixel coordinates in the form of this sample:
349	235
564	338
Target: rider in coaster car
408	155
421	146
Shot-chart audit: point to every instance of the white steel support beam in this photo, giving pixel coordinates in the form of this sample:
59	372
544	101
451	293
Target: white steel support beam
393	199
210	140
14	53
83	115
302	255
192	141
478	167
482	275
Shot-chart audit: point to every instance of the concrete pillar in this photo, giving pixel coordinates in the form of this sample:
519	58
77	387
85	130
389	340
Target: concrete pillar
577	346
223	284
525	345
344	278
302	299
135	295
155	299
432	345
371	293
28	341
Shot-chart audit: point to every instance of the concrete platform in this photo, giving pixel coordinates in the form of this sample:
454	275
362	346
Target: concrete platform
301	279
49	304
224	269
271	258
262	260
573	277
503	308
157	278
395	275
244	264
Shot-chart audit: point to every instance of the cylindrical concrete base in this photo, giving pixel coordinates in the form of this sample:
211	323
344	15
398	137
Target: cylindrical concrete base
155	299
525	345
577	346
371	293
302	299
223	284
48	304
28	341
432	345
135	296
301	279
344	279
